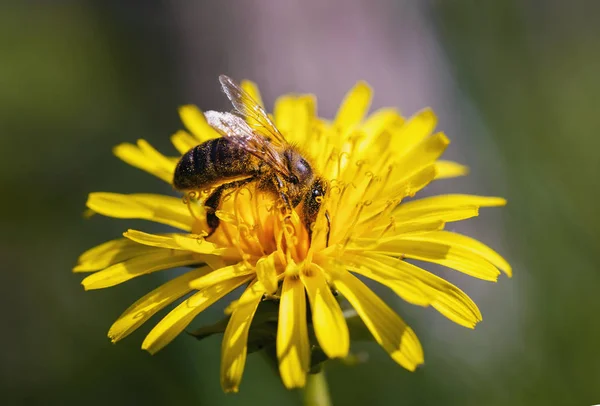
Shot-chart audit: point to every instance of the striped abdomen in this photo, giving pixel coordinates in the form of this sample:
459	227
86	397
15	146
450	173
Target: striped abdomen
213	163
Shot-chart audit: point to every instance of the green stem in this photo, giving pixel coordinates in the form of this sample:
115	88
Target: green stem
316	392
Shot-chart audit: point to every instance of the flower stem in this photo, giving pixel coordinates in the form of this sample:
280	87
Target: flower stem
316	392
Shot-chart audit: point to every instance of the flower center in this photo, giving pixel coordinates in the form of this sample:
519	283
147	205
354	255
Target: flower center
253	222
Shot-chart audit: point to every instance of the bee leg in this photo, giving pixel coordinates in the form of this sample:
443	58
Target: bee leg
213	202
284	197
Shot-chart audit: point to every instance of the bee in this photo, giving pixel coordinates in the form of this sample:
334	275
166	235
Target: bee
251	149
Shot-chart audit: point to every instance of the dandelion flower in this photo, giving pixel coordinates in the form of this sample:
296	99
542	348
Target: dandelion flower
364	229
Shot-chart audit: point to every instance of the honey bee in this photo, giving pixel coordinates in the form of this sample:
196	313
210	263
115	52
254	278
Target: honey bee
251	149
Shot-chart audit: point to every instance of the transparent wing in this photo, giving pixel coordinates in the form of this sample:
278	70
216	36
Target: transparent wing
251	111
238	131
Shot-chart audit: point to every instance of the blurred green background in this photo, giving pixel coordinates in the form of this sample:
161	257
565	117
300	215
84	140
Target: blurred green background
515	85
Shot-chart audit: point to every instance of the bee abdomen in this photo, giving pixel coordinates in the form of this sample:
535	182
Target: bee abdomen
212	162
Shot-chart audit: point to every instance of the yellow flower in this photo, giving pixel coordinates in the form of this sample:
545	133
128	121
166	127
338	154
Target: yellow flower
370	164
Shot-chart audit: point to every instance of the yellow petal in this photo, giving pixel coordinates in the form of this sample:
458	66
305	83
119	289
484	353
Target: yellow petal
445	214
407	186
293	349
380	121
294	116
422	155
139	312
158	208
183	142
152	240
146	159
387	328
267	273
221	275
109	253
446	298
377	131
444	208
407	287
195	122
431	250
199	245
449	169
434	203
409	227
395	191
468	244
415	130
134	267
178	319
284	113
384	227
189	242
151	153
418	226
330	326
354	107
234	346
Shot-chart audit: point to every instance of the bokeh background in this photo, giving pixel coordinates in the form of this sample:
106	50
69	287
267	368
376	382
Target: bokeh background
515	84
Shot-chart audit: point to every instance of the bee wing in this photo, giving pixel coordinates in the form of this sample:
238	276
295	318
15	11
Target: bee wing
251	111
238	131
